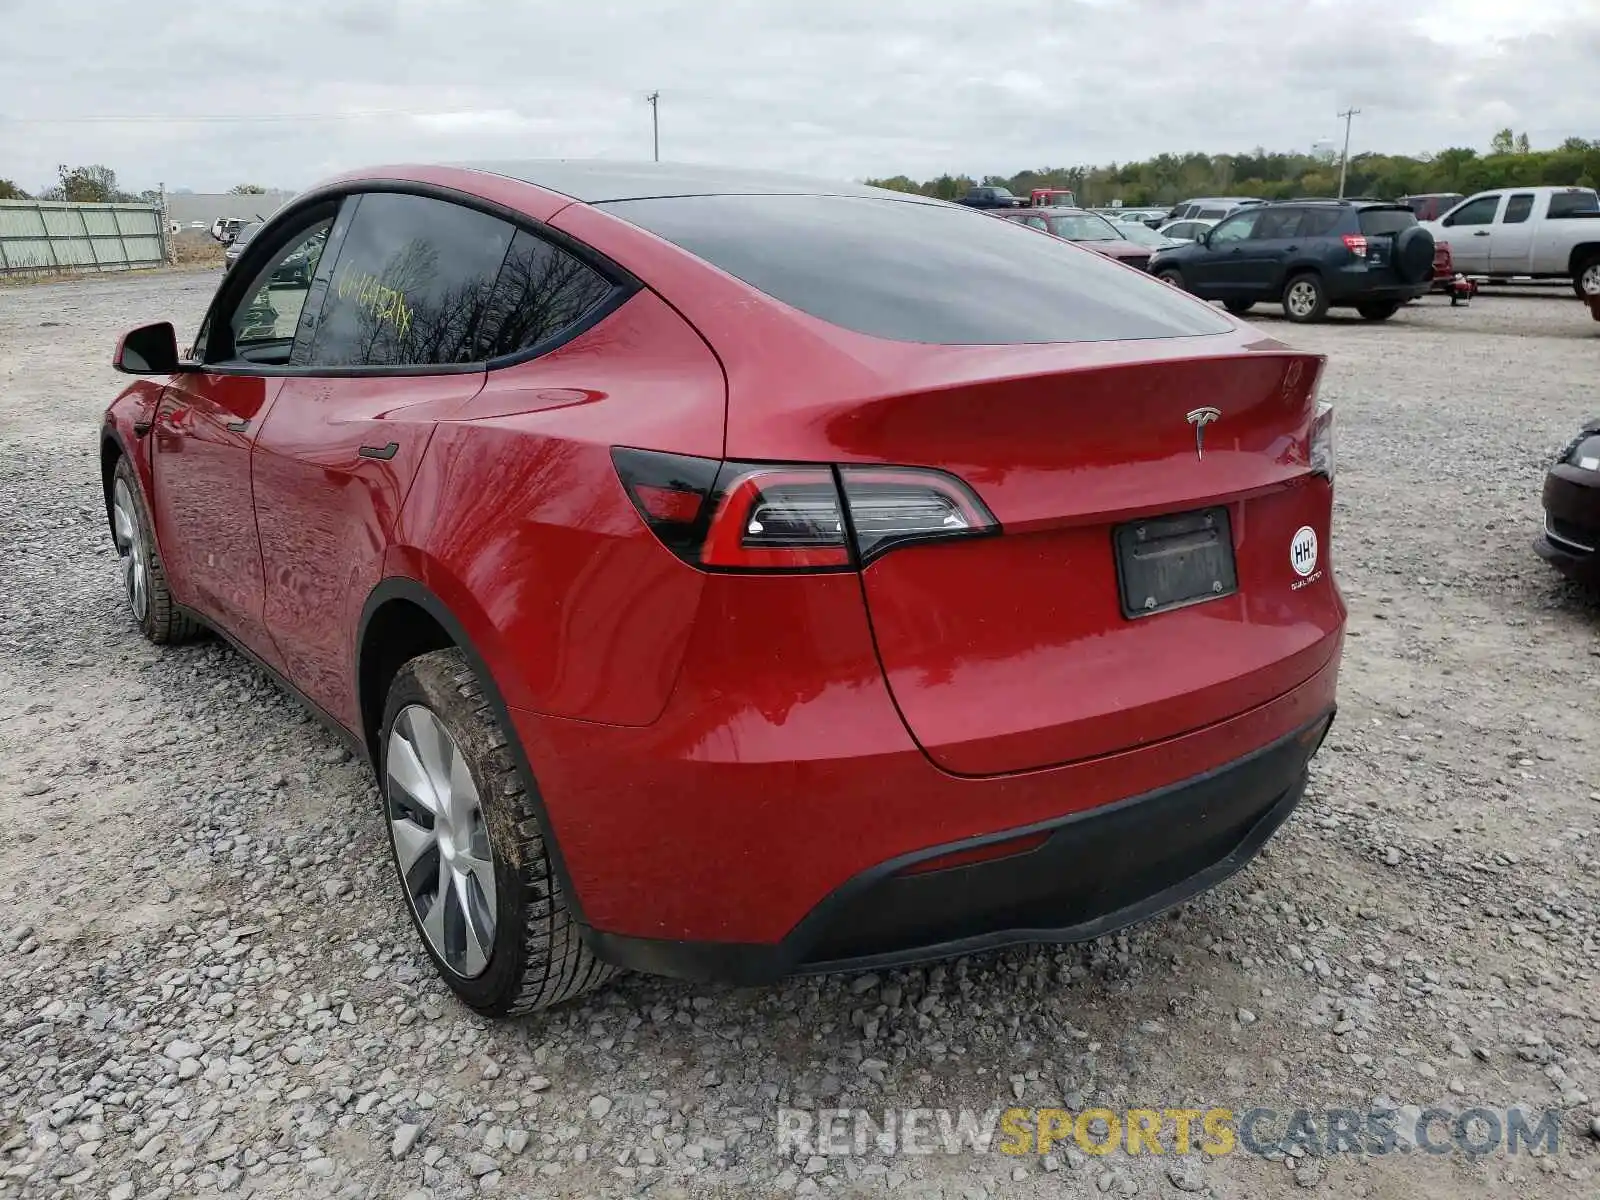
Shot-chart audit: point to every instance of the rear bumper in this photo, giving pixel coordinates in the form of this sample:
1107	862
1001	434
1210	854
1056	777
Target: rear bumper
1095	872
1359	287
780	777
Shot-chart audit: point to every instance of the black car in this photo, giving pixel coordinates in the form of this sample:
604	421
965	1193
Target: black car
1308	255
1571	540
991	197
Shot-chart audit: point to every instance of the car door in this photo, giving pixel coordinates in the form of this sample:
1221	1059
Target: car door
1469	230
205	427
1216	270
410	316
1511	238
1259	268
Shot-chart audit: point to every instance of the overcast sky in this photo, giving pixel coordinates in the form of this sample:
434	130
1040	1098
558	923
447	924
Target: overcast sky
843	88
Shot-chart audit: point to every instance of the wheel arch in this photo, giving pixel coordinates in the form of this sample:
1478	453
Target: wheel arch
112	451
402	613
1581	255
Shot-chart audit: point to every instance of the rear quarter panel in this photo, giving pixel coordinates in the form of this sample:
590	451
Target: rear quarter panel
517	520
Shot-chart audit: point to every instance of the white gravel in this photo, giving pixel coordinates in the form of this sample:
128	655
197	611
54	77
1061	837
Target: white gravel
210	986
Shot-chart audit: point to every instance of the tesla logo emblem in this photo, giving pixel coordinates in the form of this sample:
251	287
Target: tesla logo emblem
1200	418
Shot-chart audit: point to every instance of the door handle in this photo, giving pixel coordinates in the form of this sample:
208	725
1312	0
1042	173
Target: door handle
384	452
238	426
1481	233
1292	249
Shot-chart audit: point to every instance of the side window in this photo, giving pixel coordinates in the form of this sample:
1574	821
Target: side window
412	286
264	321
1517	209
1278	223
1234	229
1319	222
541	291
1478	211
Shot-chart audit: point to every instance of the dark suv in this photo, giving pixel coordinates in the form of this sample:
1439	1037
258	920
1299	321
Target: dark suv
991	197
1309	255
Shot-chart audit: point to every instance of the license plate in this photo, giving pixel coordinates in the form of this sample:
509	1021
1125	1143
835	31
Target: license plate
1168	562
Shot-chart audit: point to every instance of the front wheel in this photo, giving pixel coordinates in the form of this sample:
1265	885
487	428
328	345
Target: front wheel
1378	310
475	869
1239	307
1173	276
1305	299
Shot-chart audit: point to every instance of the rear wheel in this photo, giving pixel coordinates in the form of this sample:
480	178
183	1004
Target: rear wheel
1586	278
1305	299
1173	276
144	579
1239	307
474	866
1378	310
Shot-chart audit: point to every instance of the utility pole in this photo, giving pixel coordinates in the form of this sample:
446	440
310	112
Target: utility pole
655	122
1344	159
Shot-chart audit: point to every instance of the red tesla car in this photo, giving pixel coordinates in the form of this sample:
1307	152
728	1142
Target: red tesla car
727	576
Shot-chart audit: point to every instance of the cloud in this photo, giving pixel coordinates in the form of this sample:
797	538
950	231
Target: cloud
843	88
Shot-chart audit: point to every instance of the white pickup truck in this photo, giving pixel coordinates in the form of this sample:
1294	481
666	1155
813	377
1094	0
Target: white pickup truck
1542	232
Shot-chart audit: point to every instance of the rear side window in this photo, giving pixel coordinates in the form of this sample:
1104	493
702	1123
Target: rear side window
1276	223
541	292
1319	222
917	272
412	285
1566	204
1517	209
1376	221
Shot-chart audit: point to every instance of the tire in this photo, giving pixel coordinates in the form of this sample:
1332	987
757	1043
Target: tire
1413	255
1305	299
1173	276
144	578
531	952
1239	307
1378	310
1586	278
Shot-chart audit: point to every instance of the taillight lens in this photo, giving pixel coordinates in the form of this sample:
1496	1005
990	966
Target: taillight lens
793	517
1322	441
777	518
1356	243
892	506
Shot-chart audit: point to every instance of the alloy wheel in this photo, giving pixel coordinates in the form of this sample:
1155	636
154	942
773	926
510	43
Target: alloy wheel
1302	299
441	840
130	550
1590	280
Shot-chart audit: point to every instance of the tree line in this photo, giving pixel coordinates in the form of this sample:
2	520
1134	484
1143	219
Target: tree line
97	184
1169	178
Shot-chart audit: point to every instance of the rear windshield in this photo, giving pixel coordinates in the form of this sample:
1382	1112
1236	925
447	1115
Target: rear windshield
915	272
1085	227
1386	220
1565	204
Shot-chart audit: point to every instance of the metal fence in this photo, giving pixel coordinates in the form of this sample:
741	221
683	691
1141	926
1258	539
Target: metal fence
46	236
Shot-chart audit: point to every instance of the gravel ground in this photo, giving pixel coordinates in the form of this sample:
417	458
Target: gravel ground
211	988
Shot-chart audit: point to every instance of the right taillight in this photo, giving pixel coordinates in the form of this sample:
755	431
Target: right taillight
1356	243
794	516
1322	441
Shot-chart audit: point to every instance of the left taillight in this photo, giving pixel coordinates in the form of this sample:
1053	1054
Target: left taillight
732	516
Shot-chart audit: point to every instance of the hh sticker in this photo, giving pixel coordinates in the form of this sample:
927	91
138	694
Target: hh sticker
1303	551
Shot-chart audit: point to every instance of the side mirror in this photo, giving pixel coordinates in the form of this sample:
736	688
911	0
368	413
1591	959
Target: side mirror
1203	236
148	350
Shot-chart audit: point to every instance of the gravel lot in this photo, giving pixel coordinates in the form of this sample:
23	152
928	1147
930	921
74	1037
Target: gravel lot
210	985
